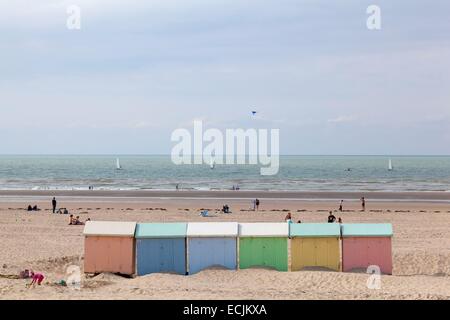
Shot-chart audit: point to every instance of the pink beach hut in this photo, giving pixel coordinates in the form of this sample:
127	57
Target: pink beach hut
109	247
367	244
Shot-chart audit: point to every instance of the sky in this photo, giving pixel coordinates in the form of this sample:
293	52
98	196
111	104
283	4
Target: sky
136	72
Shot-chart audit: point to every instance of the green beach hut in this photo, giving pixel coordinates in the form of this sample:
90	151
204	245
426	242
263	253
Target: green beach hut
263	245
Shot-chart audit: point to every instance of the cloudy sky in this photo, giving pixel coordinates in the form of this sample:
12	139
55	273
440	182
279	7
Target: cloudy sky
134	73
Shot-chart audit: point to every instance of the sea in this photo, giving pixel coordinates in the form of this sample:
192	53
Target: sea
158	172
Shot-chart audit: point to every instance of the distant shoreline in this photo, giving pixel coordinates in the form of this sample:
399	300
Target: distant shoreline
427	196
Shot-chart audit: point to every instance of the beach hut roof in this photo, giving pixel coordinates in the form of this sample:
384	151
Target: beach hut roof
110	228
212	229
161	230
367	230
315	230
277	229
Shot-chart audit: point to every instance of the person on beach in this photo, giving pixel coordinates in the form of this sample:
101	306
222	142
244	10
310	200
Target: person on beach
341	205
288	218
363	204
339	220
71	220
331	218
78	222
54	204
299	221
36	278
254	205
257	204
226	209
29	208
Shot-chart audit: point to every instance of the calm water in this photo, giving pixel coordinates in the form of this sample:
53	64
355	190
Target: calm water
301	173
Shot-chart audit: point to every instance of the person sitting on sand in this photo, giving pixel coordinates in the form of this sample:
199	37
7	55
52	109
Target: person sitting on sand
204	213
226	209
339	220
78	222
36	278
71	220
299	221
25	274
29	208
35	208
331	218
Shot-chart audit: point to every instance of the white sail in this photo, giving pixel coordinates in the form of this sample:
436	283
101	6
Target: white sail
118	166
390	165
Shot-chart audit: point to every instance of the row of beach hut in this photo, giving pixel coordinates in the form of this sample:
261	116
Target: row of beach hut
186	248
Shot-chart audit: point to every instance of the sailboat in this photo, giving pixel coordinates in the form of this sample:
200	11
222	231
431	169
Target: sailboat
118	166
390	168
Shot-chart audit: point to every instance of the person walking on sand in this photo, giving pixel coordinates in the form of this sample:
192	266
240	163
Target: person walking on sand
341	205
257	204
288	218
363	204
54	204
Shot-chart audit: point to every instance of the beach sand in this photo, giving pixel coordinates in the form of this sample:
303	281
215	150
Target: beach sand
46	243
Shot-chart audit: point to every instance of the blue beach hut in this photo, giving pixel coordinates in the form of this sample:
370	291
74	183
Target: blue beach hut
160	247
211	244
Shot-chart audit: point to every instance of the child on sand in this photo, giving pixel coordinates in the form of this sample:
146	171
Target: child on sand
36	278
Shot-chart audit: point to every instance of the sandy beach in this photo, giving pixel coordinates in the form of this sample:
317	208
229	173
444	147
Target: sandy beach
46	243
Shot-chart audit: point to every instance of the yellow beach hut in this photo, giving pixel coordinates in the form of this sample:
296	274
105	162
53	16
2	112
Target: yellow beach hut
315	245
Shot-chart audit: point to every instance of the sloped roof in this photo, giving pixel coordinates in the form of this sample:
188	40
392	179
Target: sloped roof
161	230
212	229
315	230
110	228
367	230
264	229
